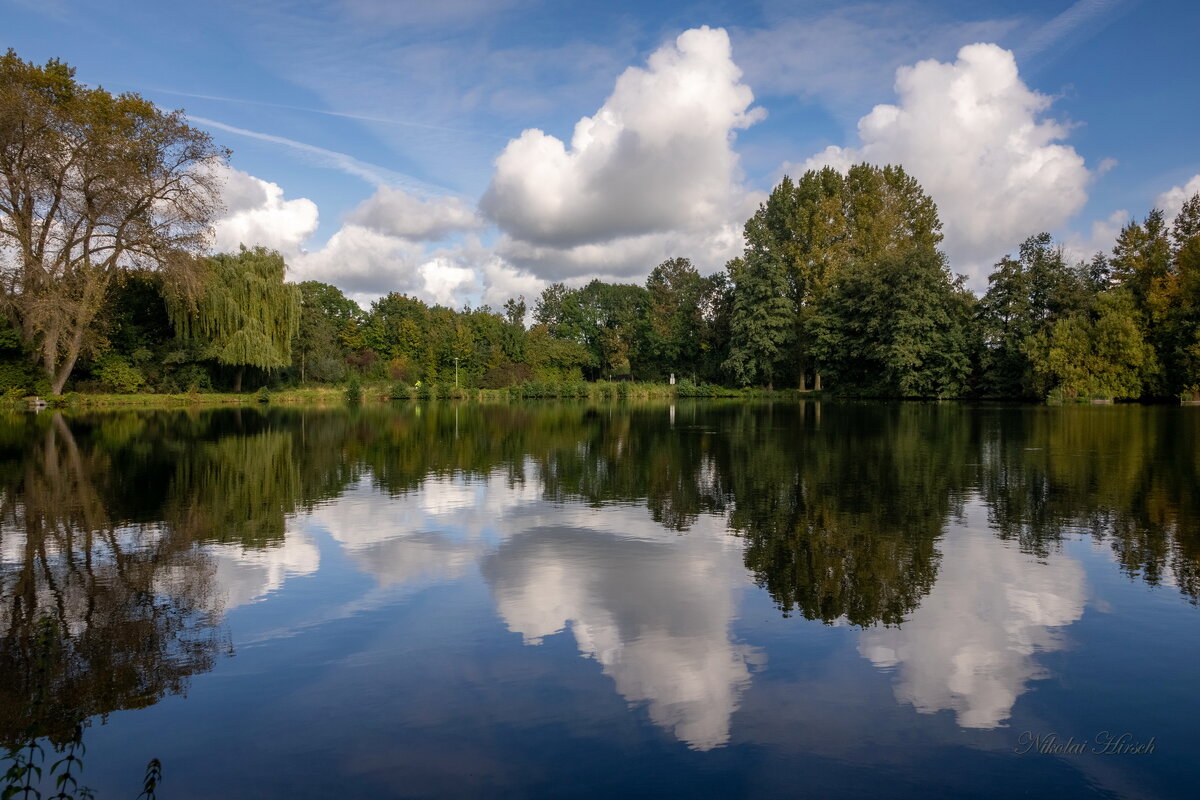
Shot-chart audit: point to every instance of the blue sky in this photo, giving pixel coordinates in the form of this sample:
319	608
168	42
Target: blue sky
467	151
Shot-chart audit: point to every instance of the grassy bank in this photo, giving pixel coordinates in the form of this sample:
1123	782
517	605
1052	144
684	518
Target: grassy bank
388	392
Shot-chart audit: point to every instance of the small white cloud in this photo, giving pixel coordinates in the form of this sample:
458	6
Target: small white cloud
656	158
366	265
445	283
1172	200
397	213
973	134
1101	239
631	258
363	263
503	282
256	214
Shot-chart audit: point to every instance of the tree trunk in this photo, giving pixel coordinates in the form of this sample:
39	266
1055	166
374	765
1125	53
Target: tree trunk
59	375
817	382
237	379
803	381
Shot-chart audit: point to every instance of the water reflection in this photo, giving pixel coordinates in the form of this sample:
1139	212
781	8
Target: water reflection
85	625
655	611
972	645
637	531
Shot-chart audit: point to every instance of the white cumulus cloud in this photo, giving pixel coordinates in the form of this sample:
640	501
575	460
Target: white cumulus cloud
1172	200
656	159
976	138
398	213
366	264
257	214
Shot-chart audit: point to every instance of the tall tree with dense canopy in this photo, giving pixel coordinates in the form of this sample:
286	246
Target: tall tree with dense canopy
246	315
896	327
1026	296
91	184
674	325
762	325
326	315
810	233
1183	322
1099	353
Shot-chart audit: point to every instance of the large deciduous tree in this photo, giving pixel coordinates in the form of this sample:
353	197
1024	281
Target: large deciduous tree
246	314
91	184
801	242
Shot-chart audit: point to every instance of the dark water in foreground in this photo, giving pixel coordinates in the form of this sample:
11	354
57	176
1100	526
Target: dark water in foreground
788	600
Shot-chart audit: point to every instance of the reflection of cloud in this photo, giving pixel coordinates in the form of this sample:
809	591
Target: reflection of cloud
243	575
246	575
654	614
432	533
970	646
651	606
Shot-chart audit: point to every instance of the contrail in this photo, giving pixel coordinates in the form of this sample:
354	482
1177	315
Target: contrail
371	173
326	112
1068	22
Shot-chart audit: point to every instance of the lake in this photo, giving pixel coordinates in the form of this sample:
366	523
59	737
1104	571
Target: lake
704	599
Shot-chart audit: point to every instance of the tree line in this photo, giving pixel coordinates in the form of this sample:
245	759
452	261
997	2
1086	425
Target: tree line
105	202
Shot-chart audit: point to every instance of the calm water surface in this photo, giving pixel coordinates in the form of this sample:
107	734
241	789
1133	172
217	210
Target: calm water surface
705	599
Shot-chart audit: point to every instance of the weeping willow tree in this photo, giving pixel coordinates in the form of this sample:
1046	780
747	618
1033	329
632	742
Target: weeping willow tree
247	315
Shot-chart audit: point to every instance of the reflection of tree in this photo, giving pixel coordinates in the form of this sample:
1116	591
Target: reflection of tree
83	627
236	489
1126	475
841	504
841	510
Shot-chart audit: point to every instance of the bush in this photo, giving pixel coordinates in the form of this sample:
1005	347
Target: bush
19	376
401	369
118	374
188	378
354	390
506	375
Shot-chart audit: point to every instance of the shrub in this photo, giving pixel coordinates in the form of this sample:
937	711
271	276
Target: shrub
19	376
401	369
506	375
118	374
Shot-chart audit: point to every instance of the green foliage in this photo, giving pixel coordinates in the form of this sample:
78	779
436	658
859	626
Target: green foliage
327	321
1026	296
354	390
117	374
247	315
1101	354
506	375
799	244
18	377
92	184
763	318
895	328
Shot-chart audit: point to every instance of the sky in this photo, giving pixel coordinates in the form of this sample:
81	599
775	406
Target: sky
469	151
